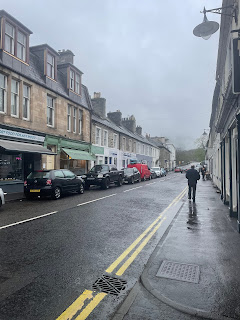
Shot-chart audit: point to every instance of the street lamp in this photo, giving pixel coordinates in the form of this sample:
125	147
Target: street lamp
207	28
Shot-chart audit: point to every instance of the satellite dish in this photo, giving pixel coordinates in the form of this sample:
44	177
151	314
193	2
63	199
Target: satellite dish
206	29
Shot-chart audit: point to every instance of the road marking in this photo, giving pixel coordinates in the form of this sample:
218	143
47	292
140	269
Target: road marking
135	243
82	204
27	220
132	189
138	250
78	304
148	184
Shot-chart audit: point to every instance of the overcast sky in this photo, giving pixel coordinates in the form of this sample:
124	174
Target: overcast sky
140	54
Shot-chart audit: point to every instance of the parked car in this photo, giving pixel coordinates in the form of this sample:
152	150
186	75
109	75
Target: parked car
143	169
178	169
52	183
153	174
131	175
163	172
2	197
103	175
157	171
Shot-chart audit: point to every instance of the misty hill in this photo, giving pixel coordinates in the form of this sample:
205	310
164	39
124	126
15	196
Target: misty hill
193	155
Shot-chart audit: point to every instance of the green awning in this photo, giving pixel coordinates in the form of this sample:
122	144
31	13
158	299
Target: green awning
79	155
97	150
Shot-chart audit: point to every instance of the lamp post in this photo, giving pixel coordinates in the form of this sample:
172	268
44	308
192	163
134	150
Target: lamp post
207	28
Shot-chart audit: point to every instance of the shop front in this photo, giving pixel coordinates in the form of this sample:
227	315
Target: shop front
73	155
20	153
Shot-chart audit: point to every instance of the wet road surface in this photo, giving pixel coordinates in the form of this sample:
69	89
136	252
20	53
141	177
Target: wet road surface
52	252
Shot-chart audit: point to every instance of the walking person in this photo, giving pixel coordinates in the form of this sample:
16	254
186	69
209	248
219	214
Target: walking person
192	175
203	172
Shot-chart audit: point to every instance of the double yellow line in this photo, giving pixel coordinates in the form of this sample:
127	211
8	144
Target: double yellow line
88	300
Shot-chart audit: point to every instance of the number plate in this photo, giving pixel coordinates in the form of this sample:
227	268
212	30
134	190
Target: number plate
34	190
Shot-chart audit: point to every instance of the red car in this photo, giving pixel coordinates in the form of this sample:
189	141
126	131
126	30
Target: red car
177	169
143	169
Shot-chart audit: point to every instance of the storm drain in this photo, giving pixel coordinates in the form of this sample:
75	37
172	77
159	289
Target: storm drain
179	271
109	285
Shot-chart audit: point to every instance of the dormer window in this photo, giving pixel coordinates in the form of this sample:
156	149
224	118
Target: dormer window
50	66
21	46
9	38
75	81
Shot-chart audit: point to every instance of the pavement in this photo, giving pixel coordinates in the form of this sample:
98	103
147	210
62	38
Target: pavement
201	249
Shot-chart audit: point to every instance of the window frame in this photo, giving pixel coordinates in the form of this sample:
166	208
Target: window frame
28	100
12	38
74	119
98	129
124	144
69	118
17	29
5	96
74	85
22	45
16	95
53	111
53	66
105	138
80	121
115	139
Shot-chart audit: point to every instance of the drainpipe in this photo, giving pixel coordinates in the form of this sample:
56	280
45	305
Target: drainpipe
224	172
221	170
238	172
230	173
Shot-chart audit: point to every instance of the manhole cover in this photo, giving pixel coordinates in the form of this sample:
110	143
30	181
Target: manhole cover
109	285
179	271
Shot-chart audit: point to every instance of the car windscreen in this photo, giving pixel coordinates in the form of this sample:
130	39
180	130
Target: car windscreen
128	171
99	168
155	169
39	175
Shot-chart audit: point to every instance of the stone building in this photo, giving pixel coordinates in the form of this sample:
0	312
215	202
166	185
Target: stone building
119	137
45	109
223	145
165	153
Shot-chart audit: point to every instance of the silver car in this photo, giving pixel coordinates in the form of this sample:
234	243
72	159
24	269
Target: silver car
2	198
157	171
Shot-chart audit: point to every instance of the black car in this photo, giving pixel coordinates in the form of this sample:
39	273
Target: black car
131	175
103	175
52	183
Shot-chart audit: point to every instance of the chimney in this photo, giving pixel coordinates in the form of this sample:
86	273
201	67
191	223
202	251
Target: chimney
139	130
65	56
116	117
129	123
99	104
148	136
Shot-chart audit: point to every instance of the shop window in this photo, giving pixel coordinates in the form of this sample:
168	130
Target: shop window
123	163
3	93
110	160
26	102
106	160
14	98
50	111
11	167
115	161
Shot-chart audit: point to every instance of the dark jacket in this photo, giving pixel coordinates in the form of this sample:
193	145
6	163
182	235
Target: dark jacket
192	175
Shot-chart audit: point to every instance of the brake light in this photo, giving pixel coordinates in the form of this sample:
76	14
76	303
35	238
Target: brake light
49	182
25	183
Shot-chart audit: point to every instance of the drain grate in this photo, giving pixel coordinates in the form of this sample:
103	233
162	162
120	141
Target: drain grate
109	285
179	271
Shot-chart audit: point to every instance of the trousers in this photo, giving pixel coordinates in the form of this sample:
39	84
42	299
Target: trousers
192	190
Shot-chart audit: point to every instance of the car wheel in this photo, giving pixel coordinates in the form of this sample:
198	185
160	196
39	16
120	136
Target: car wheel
132	180
0	202
56	193
120	181
106	184
150	177
80	189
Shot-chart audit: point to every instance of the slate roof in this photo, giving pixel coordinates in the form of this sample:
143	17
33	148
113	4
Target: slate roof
121	129
34	72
